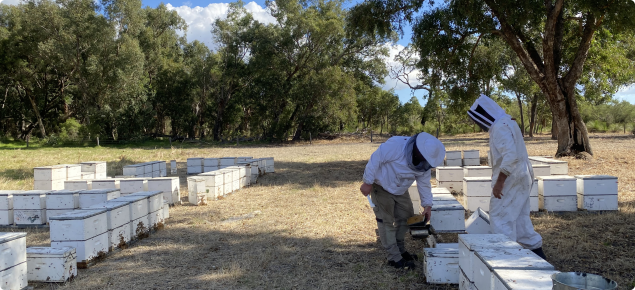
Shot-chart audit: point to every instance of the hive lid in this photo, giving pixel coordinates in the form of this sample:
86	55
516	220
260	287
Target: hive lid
92	162
195	158
478	179
7	237
133	180
595	177
477	167
71	165
483	241
526	280
98	191
80	180
447	205
130	197
437	190
107	180
449	167
512	259
109	205
78	214
9	192
472	150
49	167
249	157
63	192
196	178
454	151
50	252
441	252
164	178
134	165
443	197
147	193
228	158
557	178
547	160
33	192
540	165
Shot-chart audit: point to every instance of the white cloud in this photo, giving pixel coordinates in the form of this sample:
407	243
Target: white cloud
200	19
627	93
10	2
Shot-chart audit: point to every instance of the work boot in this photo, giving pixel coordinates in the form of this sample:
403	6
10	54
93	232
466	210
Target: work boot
540	253
402	264
409	257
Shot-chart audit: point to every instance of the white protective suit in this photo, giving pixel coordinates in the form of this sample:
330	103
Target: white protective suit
510	214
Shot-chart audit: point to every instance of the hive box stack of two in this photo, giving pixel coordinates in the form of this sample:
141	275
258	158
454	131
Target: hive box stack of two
6	206
246	173
195	165
214	184
86	230
270	168
29	208
13	262
155	203
255	172
557	193
196	190
118	214
139	211
471	158
88	198
97	168
469	244
50	177
478	191
61	201
173	167
227	162
170	187
131	185
210	164
235	177
453	158
107	183
556	167
597	192
450	177
135	170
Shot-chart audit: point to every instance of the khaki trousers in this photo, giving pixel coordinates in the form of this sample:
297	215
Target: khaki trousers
394	211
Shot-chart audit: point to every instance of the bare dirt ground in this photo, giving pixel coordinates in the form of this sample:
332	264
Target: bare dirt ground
311	228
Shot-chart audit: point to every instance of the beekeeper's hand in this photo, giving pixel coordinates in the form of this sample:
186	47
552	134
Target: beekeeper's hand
497	191
366	188
427	212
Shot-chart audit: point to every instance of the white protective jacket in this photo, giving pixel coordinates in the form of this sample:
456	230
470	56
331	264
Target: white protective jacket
510	214
388	168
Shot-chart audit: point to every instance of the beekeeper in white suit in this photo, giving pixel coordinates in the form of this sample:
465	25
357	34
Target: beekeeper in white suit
512	175
391	170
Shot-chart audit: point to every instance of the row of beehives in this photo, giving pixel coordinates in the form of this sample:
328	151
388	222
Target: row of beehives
35	207
221	182
79	236
53	177
469	158
199	165
486	262
146	169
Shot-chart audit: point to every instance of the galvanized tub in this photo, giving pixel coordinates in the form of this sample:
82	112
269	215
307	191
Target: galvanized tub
579	280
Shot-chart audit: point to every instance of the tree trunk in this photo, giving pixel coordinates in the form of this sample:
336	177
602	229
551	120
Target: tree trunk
298	132
38	116
532	115
554	126
522	117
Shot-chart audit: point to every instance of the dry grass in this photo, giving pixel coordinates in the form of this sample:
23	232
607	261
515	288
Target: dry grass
314	229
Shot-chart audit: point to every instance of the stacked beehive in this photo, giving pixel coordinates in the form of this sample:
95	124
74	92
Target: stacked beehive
453	158
88	198
13	265
557	167
210	164
49	177
214	184
471	158
557	193
139	210
196	190
132	185
450	177
85	230
51	265
82	184
597	192
227	162
155	208
173	167
195	165
29	207
478	191
61	201
169	186
441	264
146	169
6	206
96	168
118	222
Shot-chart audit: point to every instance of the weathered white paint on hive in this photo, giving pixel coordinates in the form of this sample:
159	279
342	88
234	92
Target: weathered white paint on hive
94	166
55	212
556	185
471	154
156	218
558	167
441	266
449	173
523	279
470	242
477	186
173	168
48	184
166	211
471	161
541	170
108	183
62	199
79	225
477	171
46	264
597	202
6	217
596	184
558	203
489	260
132	185
139	227
138	205
447	216
170	187
478	223
452	186
464	282
56	172
12	249
475	202
439	190
154	198
78	184
29	216
6	198
88	249
452	154
119	237
118	213
87	198
195	186
14	277
73	171
212	179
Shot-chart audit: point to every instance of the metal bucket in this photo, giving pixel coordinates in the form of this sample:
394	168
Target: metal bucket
579	280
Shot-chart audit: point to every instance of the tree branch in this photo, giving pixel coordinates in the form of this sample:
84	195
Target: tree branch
583	49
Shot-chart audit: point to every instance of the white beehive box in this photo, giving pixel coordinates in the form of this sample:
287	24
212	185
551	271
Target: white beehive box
452	186
156	166
118	214
105	183
55	212
454	162
86	250
489	260
12	250
79	225
453	155
73	171
166	210
48	184
210	168
51	265
78	184
558	167
523	279
211	162
477	171
558	203
156	174
476	202
196	161
478	223
154	198
269	167
56	172
138	214
194	169
119	237
469	243
173	167
6	217
596	184
163	165
236	185
88	198
556	185
14	277
31	199
148	167
134	169
447	216
439	190
195	186
441	266
214	178
443	197
477	186
464	282
471	161
62	199
170	187
132	185
449	173
6	198
541	170
94	166
87	176
471	154
155	219
597	202
243	158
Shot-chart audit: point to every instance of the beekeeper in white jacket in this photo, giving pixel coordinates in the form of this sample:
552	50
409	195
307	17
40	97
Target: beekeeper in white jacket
512	175
391	170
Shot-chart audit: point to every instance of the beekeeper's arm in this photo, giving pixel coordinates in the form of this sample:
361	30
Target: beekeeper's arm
425	192
376	160
504	142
